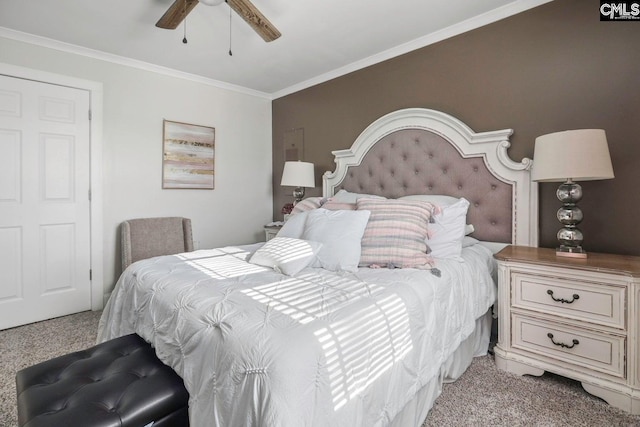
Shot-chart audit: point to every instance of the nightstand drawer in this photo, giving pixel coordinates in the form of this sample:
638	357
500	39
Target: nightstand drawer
591	350
592	302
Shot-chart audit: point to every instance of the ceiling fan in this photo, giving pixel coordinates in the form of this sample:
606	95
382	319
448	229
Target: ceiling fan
179	10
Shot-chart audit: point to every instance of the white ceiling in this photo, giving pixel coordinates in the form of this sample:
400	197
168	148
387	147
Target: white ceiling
321	39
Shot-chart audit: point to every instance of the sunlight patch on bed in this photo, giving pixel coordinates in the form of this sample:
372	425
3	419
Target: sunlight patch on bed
362	347
222	263
359	348
206	253
308	296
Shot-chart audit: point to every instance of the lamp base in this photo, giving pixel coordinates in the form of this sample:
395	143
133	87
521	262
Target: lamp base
570	215
572	252
298	195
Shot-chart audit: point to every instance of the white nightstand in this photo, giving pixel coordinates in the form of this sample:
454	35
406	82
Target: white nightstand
270	231
578	318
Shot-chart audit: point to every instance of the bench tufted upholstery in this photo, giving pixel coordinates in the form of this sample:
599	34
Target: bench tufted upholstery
118	383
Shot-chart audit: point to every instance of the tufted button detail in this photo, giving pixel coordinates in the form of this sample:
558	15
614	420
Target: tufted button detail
475	169
459	187
137	360
444	171
476	204
430	187
493	186
494	222
431	156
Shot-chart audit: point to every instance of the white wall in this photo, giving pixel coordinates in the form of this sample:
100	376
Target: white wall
135	103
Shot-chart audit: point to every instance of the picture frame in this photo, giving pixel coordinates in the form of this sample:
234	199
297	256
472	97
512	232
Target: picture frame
188	156
293	144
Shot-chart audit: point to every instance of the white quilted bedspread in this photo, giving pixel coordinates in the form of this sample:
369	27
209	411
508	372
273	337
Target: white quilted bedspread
257	348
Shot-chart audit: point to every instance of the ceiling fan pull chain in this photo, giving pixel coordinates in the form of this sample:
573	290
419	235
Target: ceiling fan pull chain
184	39
230	53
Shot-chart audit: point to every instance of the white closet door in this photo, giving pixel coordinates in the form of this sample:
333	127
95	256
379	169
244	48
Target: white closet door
44	201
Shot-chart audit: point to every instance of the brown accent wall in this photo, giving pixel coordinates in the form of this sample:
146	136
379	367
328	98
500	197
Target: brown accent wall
552	68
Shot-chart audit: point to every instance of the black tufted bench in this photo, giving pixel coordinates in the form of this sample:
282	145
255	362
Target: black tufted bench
118	383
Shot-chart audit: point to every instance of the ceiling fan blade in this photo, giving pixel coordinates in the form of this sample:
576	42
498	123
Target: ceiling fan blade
255	19
176	14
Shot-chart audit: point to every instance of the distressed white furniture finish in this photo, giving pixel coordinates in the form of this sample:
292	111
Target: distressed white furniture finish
596	329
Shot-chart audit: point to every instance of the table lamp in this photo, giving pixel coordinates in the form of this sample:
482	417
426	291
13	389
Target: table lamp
299	175
569	156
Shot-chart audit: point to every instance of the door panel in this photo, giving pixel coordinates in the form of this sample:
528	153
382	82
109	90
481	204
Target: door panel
44	201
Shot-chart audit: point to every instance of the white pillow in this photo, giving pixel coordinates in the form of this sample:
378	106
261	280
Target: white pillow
340	233
286	255
440	200
294	226
344	196
446	234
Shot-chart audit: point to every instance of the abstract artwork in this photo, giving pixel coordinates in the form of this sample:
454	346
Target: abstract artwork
188	156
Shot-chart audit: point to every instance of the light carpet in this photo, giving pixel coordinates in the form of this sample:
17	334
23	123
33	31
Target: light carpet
483	396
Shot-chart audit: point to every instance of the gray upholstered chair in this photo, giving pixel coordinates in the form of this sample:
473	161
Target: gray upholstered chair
144	238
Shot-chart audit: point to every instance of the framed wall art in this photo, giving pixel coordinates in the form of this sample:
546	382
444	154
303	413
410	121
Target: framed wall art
188	156
293	144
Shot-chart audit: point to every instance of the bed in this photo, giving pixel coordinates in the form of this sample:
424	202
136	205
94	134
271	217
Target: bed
267	336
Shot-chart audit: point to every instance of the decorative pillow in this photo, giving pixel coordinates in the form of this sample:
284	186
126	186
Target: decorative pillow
437	199
285	255
334	205
307	204
448	230
340	233
396	233
348	197
294	226
440	200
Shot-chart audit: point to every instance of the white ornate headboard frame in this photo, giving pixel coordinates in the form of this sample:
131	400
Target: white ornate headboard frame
418	125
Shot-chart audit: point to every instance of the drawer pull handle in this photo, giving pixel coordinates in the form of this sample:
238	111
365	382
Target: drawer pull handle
561	344
562	300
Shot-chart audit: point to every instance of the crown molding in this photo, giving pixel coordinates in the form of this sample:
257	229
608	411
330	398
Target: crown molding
502	12
121	60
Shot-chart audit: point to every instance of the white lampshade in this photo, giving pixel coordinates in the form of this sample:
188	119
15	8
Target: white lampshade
579	155
298	174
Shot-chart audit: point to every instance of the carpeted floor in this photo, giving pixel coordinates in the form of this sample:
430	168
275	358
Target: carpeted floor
483	396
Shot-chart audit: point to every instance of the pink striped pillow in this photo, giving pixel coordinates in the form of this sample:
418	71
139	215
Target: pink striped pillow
396	233
308	204
335	205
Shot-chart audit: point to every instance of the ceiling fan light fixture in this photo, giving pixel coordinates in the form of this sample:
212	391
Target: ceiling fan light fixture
211	2
179	10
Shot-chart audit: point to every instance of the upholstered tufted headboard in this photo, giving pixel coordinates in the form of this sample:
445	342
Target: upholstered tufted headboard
421	151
